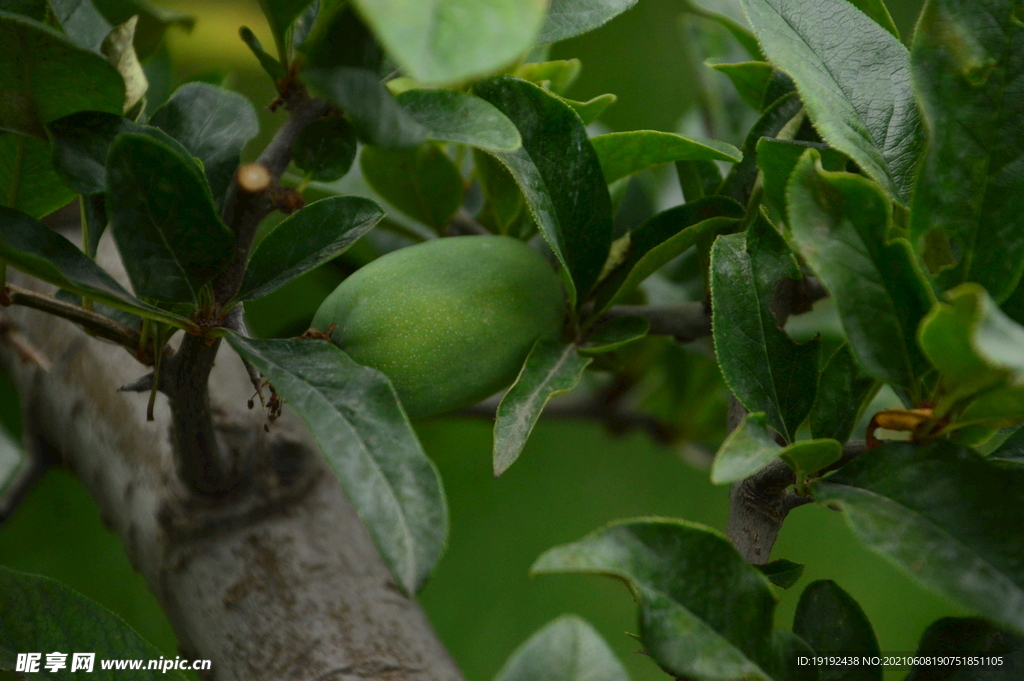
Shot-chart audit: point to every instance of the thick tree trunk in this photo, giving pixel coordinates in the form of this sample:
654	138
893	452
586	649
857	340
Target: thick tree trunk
280	580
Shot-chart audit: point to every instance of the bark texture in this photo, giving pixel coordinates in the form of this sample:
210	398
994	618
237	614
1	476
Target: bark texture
278	580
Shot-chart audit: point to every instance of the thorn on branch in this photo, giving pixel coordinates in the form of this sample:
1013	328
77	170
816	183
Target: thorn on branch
143	385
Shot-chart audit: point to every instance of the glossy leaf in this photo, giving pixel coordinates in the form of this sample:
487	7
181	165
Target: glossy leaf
943	514
776	160
704	612
782	573
162	216
968	62
568	18
739	183
280	14
663	237
969	637
153	21
559	174
423	182
550	369
623	153
326	149
835	625
590	110
82	22
766	369
39	614
375	115
28	181
750	79
749	447
271	65
567	649
356	420
844	390
615	334
44	76
305	240
443	41
841	224
853	77
39	251
213	124
460	117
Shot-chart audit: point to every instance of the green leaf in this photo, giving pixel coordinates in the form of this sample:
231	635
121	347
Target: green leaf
750	79
375	115
968	637
556	75
280	14
857	89
877	10
615	334
423	182
550	369
841	224
946	516
749	447
974	347
444	41
271	65
460	117
339	37
807	457
82	22
325	149
163	218
560	176
844	390
698	179
567	649
213	124
776	160
663	237
782	573
356	420
623	153
305	240
739	32
834	624
505	203
1012	448
44	76
704	612
36	250
28	181
119	48
590	110
766	369
968	61
33	9
153	21
41	614
568	18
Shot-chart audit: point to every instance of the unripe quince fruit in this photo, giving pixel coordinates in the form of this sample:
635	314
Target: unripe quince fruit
449	321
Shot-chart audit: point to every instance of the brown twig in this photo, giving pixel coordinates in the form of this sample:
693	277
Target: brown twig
95	324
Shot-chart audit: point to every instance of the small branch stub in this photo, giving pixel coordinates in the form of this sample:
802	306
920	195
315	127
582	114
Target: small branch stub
254	178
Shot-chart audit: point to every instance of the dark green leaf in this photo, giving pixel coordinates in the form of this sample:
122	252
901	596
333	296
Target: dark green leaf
614	334
739	183
567	18
698	179
82	22
704	612
776	160
153	21
834	624
559	174
326	149
945	515
94	221
33	9
460	117
339	37
305	240
163	218
271	65
505	203
567	649
375	115
1012	448
28	181
444	41
623	153
550	369
213	124
36	250
44	76
766	369
750	79
750	447
41	614
354	415
423	182
877	10
782	573
127	318
661	238
969	637
968	63
739	32
844	389
280	14
590	110
841	223
854	78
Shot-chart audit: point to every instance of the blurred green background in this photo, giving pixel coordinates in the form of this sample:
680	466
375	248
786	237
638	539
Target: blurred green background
573	476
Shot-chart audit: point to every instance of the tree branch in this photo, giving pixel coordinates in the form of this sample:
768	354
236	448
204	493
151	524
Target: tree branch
95	324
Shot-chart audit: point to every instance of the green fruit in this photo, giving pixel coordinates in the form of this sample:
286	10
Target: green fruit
449	321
